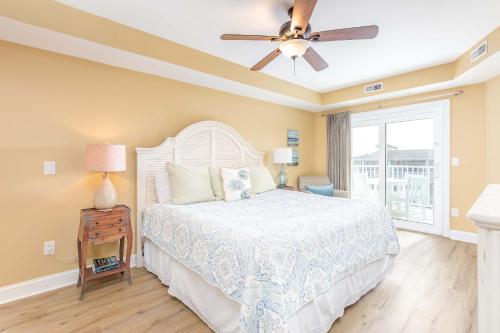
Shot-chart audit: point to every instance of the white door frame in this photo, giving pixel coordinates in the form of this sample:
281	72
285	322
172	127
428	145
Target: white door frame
440	112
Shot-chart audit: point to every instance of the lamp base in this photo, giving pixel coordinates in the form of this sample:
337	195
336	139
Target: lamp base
282	178
105	195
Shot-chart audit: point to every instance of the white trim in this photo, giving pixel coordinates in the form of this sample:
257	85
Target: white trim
440	112
446	168
42	284
463	236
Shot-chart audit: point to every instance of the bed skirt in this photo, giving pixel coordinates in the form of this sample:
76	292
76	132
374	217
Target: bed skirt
222	314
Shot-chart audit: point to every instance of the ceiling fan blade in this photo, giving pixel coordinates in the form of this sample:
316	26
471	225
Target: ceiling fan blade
266	60
248	37
302	11
367	32
315	60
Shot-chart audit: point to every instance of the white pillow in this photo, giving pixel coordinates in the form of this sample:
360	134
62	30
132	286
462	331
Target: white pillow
216	180
236	183
262	181
189	185
162	185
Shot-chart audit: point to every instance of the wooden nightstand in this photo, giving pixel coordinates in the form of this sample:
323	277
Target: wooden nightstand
101	227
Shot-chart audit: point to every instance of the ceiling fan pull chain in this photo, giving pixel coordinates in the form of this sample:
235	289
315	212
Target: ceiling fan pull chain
294	65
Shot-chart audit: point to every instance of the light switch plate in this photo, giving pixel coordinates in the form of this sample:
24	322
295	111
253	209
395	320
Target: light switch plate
455	212
455	161
49	247
49	168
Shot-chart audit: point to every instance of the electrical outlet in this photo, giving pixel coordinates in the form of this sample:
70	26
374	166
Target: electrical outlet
455	212
455	162
49	248
49	168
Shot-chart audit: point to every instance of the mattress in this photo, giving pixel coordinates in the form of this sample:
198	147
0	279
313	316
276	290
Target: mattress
274	253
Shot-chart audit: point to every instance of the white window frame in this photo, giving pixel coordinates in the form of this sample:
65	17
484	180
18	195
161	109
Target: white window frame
440	112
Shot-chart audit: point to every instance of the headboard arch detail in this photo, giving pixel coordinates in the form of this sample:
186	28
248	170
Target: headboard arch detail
203	143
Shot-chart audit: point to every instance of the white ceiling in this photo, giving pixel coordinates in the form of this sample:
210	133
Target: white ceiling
413	34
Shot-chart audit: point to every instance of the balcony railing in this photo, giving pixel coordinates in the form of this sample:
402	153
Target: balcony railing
394	171
409	188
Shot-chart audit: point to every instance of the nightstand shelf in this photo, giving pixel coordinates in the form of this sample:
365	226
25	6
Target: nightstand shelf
99	227
90	275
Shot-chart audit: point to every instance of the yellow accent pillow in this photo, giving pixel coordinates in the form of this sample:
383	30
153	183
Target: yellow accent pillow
216	180
261	178
189	184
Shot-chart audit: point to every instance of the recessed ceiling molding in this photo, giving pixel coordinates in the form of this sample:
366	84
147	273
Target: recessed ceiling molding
484	71
41	38
39	24
407	41
68	20
426	77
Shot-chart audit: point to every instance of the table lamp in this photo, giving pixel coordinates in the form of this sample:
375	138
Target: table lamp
105	158
282	156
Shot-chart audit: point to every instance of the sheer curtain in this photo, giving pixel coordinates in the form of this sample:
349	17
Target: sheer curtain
339	150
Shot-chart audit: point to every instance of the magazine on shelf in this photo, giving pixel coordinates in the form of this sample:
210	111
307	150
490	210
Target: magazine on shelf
105	264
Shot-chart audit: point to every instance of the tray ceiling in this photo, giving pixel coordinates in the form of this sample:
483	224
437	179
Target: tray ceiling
413	35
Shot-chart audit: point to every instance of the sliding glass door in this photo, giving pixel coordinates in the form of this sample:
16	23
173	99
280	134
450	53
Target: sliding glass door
400	158
410	170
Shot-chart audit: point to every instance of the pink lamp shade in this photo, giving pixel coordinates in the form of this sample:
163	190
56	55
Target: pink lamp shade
105	158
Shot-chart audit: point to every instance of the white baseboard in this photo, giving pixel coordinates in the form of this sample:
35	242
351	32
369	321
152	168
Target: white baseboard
463	236
41	285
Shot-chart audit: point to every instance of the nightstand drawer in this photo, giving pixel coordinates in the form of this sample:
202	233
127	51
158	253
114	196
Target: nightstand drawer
104	232
108	221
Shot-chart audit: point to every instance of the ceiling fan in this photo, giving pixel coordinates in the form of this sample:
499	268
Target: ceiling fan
296	36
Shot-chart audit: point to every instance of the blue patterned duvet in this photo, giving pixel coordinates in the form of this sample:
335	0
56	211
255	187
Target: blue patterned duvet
273	253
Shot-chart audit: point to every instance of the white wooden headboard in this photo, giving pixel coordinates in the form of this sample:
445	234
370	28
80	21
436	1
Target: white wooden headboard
203	143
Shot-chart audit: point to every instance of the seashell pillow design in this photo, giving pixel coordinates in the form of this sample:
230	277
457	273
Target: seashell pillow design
236	184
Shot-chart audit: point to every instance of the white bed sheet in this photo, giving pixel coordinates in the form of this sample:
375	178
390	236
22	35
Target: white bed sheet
222	314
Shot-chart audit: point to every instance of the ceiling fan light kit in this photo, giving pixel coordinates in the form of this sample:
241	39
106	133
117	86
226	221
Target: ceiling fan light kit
294	48
296	36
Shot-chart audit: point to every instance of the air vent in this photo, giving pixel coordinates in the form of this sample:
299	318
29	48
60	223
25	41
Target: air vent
480	51
373	87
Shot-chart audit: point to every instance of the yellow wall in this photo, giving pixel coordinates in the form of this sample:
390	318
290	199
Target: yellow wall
492	101
468	124
52	105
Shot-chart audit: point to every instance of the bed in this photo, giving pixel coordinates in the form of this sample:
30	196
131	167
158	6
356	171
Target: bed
283	261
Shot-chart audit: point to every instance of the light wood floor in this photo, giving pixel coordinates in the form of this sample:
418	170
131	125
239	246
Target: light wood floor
431	289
